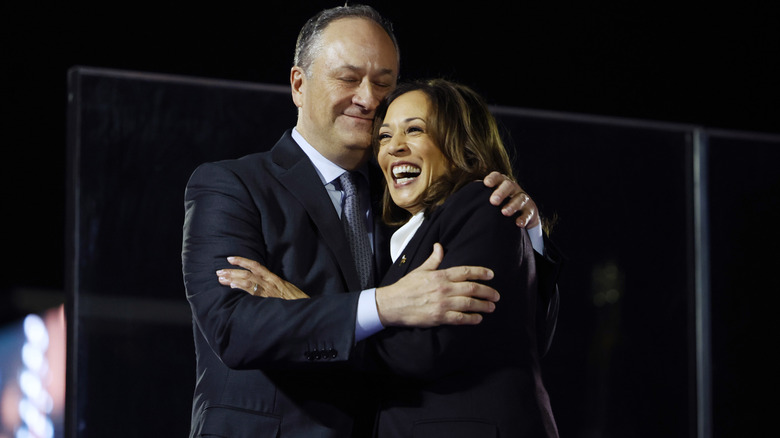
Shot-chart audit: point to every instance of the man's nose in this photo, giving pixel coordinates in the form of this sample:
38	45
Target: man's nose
367	96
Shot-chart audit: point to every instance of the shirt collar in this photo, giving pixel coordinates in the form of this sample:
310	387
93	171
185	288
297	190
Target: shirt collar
403	235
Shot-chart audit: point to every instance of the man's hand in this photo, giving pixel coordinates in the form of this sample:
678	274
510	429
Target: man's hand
427	297
257	280
516	200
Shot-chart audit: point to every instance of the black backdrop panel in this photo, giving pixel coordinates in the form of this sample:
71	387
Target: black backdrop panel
620	355
134	140
744	189
623	360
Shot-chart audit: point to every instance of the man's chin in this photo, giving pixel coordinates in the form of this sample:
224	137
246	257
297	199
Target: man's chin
358	140
355	126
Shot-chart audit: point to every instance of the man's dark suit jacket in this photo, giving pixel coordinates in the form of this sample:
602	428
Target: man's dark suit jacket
468	381
270	367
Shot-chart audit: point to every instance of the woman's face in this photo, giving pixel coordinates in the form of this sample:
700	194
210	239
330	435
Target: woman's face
409	158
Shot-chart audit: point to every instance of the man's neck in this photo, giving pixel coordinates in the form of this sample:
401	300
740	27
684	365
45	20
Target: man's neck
348	157
353	160
326	168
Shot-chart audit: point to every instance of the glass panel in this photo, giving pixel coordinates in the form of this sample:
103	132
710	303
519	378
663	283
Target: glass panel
744	198
622	362
619	363
134	140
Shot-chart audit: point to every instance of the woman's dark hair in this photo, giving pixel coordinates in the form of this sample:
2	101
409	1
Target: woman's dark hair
465	131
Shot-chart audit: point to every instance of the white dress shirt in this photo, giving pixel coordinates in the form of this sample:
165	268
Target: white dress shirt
367	322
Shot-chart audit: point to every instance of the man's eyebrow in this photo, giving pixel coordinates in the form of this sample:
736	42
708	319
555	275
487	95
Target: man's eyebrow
387	71
356	69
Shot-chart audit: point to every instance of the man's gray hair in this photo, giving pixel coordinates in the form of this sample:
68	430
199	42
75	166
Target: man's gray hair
309	38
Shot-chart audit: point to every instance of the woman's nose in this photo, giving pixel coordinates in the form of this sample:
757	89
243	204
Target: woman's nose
397	145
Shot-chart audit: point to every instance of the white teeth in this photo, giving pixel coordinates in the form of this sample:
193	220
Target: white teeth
405	168
403	180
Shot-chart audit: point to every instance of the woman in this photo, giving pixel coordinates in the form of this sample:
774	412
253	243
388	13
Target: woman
434	141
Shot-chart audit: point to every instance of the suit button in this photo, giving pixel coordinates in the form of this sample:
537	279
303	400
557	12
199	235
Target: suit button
333	353
308	355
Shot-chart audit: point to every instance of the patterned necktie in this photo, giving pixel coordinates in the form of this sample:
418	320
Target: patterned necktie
354	220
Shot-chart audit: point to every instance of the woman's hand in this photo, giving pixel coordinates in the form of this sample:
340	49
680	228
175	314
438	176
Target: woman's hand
257	280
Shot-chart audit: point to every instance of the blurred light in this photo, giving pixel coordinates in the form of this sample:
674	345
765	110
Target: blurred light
607	283
33	358
36	403
35	330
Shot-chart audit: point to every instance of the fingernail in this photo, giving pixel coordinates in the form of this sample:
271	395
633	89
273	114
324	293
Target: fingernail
220	272
495	198
230	259
489	274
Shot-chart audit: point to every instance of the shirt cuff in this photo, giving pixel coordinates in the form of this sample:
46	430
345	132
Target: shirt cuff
367	322
537	240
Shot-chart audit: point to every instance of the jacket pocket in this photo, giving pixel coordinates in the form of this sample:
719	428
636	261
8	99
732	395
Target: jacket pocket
224	422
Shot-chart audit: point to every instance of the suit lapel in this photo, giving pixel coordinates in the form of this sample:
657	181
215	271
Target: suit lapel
300	178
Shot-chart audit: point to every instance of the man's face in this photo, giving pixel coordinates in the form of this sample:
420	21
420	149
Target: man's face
355	67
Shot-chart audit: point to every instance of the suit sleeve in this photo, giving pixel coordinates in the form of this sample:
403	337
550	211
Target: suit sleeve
548	267
472	233
245	331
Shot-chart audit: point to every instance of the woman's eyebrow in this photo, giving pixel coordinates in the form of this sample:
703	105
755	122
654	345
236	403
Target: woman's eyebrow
405	121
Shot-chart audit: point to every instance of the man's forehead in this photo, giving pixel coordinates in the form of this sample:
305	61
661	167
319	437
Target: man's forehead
358	54
359	32
352	23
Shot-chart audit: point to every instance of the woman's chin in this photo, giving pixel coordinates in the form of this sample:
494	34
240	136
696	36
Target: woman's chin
412	206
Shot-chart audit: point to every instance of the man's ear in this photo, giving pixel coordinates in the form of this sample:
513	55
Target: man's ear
297	85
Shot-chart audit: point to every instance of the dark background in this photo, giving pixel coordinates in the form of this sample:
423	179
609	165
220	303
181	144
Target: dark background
695	66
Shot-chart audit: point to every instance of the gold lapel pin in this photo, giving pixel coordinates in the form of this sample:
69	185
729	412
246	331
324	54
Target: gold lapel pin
403	259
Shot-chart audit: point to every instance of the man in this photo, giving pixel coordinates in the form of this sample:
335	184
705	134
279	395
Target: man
270	367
